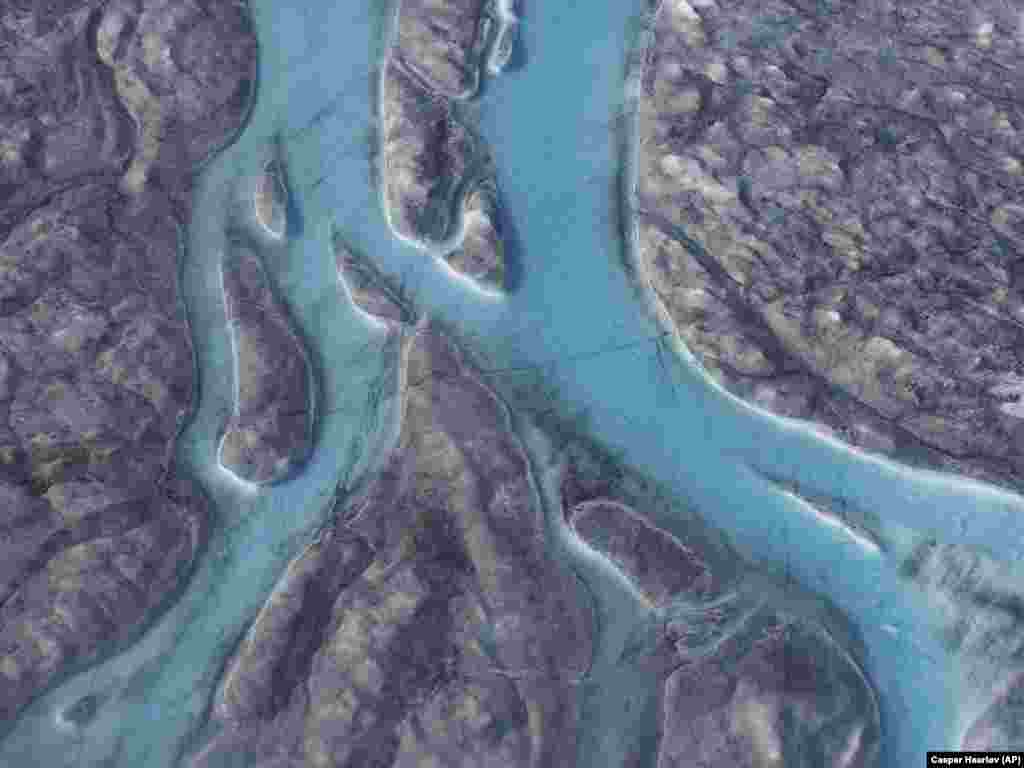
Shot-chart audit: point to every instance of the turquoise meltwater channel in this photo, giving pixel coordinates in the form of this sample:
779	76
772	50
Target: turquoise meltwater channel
575	318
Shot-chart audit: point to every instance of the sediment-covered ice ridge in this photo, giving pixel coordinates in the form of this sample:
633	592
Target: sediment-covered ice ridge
438	190
270	434
99	528
367	289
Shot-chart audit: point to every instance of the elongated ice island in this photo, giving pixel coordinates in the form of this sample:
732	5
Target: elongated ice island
660	565
263	197
271	431
828	209
271	200
368	289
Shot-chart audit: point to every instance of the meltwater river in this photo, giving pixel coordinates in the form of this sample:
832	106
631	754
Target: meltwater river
574	316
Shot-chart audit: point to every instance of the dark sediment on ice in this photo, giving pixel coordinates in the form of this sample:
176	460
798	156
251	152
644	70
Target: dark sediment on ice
98	530
435	172
271	432
825	212
429	620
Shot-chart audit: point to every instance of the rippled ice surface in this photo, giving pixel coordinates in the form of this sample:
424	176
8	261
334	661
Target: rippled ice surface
575	323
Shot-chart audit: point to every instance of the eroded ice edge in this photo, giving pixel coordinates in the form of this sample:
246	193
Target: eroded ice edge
575	319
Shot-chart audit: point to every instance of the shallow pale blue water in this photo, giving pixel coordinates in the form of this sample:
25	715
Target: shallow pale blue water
576	318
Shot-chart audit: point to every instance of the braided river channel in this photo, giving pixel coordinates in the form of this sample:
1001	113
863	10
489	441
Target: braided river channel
575	331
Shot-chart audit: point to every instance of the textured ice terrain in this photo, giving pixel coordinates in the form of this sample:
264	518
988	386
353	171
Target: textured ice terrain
445	416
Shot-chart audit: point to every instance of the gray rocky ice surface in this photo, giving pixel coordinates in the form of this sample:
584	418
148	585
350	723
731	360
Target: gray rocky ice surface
271	431
780	692
369	290
106	108
828	209
435	174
